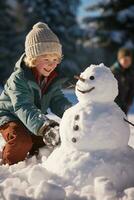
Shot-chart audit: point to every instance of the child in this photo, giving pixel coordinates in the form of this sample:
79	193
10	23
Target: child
124	73
33	87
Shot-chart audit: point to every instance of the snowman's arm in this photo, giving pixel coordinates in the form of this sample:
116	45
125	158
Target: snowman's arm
128	122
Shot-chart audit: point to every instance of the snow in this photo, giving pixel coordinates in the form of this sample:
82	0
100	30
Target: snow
31	180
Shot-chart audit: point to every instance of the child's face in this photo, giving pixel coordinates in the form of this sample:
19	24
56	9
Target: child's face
125	62
46	63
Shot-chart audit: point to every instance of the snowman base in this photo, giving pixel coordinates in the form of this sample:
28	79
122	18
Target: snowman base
81	168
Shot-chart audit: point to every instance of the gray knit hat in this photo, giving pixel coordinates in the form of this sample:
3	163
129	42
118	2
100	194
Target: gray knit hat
41	40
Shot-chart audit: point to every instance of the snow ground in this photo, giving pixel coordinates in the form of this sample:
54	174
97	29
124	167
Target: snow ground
29	180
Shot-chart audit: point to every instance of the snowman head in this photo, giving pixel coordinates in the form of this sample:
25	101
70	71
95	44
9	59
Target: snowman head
96	84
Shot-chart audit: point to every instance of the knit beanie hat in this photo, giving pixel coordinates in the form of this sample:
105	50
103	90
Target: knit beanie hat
41	40
124	52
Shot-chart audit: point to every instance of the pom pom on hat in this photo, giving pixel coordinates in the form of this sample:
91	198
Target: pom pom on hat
40	40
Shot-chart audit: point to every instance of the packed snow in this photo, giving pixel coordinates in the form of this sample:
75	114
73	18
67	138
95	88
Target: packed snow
94	161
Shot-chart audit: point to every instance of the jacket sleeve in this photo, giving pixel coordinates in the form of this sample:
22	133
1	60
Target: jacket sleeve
59	103
23	103
115	70
130	96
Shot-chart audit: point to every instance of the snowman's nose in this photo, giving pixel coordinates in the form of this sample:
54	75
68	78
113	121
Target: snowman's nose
79	78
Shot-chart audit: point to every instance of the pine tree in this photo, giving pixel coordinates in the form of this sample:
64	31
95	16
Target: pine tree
113	26
7	36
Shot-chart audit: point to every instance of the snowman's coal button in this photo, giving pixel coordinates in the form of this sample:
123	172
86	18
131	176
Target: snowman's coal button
91	77
74	140
76	117
76	127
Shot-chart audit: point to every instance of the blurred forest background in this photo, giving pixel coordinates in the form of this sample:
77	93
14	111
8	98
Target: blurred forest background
92	38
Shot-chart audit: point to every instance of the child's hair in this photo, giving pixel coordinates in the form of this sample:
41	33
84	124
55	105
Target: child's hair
30	62
124	52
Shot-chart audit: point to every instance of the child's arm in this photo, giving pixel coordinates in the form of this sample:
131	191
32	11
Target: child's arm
59	103
23	103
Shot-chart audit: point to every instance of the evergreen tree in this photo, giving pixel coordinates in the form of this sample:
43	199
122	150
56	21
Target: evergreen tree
7	36
113	24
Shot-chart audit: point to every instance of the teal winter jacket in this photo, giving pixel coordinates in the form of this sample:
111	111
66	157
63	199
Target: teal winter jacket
21	98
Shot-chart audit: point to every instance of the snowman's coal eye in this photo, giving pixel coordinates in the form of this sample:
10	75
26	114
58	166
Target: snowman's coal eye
91	77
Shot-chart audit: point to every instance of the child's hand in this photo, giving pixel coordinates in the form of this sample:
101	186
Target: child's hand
50	133
51	136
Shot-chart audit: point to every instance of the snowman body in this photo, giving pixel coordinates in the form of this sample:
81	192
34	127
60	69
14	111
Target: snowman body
94	135
96	126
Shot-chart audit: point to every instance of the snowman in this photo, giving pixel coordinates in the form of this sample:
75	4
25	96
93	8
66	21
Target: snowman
94	135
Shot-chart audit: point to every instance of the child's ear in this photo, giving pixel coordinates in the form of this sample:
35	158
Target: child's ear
33	62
